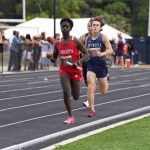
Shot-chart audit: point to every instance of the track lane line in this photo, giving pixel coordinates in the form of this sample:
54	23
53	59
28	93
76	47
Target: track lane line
36	118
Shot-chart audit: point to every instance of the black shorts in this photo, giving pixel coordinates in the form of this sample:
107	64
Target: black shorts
84	67
119	54
1	48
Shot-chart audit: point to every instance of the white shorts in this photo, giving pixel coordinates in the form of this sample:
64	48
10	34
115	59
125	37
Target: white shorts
27	54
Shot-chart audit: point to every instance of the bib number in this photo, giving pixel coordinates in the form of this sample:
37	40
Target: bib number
64	61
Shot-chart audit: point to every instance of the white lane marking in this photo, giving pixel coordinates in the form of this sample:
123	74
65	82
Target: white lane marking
36	118
30	95
93	133
3	99
140	79
23	84
58	79
30	74
49	76
28	88
52	101
42	81
126	75
74	129
27	78
17	79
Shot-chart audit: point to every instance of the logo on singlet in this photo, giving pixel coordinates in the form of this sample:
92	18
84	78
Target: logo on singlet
76	76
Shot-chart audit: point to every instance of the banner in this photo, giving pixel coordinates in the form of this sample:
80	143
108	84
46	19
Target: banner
149	20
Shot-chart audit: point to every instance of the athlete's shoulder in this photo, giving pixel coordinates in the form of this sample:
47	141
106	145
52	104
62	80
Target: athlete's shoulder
82	37
104	37
56	43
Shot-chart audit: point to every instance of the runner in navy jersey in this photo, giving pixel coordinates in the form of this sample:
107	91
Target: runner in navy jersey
98	46
84	64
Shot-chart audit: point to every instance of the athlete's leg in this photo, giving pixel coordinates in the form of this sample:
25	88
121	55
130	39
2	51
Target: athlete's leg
103	85
121	60
75	89
85	74
91	78
117	60
65	83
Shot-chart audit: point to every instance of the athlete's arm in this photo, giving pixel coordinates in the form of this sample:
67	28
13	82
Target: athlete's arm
86	45
82	38
107	45
82	48
53	57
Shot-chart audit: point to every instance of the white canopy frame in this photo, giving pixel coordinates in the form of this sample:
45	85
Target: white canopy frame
17	20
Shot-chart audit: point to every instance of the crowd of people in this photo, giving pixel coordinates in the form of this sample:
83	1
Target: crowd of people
24	49
120	56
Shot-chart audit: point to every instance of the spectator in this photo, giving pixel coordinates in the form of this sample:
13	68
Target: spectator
44	41
132	51
116	43
11	38
28	50
117	39
57	37
43	35
119	52
1	48
3	42
52	42
15	54
3	35
10	42
37	52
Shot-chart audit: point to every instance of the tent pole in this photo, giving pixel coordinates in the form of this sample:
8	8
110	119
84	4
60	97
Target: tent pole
54	17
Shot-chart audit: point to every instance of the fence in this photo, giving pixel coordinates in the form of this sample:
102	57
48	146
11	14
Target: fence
38	58
25	57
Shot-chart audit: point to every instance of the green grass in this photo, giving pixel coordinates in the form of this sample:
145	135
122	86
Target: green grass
131	136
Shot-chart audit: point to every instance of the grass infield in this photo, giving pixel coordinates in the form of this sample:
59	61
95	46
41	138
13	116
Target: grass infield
131	136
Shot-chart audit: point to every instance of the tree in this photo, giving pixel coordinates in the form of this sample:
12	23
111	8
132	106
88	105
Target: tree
140	25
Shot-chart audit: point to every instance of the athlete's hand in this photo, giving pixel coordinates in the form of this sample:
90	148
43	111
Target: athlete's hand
99	54
49	56
74	65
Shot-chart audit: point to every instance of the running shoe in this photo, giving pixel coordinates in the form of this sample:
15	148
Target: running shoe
108	77
91	114
70	120
86	104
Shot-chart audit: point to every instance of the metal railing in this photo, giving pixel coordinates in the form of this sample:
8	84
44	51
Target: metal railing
22	57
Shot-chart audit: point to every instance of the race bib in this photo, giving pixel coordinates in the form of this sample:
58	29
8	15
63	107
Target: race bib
64	60
93	52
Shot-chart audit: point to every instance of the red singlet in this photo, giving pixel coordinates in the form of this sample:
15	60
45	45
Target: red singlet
71	51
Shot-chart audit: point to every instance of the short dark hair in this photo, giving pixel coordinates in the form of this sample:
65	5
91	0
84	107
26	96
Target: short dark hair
56	35
14	32
67	20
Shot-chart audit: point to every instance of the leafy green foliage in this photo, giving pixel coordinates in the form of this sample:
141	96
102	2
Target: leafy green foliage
128	16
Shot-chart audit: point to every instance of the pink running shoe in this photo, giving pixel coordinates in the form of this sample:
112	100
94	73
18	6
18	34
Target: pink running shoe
91	114
70	120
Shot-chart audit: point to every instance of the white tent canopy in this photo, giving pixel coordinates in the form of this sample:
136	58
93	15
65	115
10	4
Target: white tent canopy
38	25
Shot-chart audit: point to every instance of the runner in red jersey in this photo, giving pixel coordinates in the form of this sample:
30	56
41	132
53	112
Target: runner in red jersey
68	48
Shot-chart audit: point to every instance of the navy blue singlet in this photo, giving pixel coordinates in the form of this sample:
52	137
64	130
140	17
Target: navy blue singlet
97	64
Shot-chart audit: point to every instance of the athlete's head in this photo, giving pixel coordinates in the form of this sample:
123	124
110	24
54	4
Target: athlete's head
66	25
89	26
97	24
